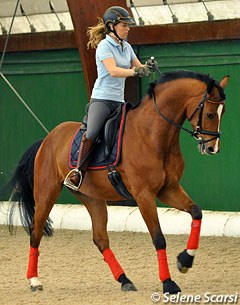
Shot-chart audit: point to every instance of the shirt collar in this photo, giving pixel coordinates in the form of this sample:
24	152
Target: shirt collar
113	42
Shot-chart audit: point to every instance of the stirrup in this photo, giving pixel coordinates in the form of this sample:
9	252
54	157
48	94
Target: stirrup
68	183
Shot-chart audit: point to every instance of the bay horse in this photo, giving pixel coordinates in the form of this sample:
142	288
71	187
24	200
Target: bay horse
151	167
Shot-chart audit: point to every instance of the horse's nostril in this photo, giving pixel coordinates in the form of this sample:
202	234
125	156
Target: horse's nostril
210	150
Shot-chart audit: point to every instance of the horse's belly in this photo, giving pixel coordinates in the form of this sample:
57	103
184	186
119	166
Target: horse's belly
97	185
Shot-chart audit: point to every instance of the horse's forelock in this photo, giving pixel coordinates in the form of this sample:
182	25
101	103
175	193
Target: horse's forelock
211	84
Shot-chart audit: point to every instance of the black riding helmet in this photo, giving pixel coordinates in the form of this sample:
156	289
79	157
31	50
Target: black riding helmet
114	15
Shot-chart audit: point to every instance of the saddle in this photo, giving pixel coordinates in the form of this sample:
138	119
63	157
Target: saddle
106	139
107	149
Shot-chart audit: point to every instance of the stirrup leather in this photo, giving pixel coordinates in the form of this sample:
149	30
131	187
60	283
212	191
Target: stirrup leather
68	183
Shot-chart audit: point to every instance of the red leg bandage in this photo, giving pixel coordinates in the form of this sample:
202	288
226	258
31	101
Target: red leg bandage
113	264
33	263
193	240
163	265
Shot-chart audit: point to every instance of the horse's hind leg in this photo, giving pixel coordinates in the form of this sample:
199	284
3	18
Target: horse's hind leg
176	197
45	197
98	213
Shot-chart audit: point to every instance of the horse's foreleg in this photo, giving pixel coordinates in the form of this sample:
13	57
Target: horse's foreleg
185	258
148	210
177	198
98	212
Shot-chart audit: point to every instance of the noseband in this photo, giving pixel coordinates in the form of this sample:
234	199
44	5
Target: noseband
199	130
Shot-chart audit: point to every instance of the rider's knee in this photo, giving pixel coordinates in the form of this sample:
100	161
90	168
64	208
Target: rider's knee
91	135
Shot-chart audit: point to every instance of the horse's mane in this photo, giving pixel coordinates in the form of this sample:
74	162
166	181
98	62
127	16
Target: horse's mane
173	75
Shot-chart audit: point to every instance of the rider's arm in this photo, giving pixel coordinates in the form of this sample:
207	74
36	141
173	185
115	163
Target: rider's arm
136	63
114	71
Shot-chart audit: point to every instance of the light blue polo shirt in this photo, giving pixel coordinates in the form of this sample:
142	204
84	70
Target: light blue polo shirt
107	87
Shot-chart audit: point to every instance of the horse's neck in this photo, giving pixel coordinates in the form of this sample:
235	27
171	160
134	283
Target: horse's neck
146	121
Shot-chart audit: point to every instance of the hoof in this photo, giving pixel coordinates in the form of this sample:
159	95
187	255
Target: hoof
170	287
35	284
184	261
128	287
36	288
181	268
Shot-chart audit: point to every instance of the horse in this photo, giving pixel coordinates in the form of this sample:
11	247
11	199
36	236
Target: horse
151	166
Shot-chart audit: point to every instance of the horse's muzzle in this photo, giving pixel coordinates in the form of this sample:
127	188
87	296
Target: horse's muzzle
206	149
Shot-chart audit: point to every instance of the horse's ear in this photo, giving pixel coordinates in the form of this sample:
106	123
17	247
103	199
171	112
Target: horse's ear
224	81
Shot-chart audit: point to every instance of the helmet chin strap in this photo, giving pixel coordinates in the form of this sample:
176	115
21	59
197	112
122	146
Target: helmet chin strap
115	33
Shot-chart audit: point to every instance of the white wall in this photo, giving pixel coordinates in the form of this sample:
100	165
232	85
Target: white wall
129	219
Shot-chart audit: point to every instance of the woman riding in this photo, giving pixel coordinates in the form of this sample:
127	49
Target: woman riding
115	61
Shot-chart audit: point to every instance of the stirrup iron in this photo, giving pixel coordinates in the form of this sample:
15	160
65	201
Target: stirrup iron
68	183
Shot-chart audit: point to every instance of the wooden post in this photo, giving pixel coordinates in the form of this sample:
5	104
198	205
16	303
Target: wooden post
84	14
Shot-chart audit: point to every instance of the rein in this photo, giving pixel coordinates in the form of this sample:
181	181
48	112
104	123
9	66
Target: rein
192	133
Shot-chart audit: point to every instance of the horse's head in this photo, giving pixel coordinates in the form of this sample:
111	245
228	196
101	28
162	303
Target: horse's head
206	118
204	113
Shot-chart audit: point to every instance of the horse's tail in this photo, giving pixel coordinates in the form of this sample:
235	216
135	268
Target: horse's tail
22	185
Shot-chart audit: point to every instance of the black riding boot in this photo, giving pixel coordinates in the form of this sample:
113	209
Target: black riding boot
75	177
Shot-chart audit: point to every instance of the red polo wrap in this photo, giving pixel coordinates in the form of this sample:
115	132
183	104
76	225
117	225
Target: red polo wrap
33	263
193	240
163	265
113	264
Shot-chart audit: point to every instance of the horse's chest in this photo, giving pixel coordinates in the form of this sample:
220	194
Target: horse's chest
173	166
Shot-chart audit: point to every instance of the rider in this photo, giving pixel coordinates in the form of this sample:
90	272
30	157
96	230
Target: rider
115	60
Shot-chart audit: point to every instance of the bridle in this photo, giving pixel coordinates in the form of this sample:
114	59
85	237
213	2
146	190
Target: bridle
199	130
197	134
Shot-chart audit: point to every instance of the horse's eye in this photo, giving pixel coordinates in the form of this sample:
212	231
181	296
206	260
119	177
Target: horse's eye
210	116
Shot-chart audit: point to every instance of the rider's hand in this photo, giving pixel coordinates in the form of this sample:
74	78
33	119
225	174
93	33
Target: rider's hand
151	63
142	71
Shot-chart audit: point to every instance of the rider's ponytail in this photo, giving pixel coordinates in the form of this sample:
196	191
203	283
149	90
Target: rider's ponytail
96	34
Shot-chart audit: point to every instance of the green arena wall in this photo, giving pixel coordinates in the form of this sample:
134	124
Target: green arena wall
52	84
